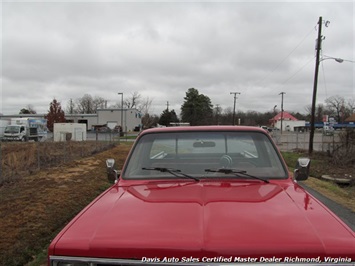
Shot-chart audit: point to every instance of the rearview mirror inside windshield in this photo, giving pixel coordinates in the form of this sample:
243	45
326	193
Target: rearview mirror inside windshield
204	144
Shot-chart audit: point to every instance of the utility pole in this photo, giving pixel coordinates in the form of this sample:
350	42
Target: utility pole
274	119
71	109
318	48
217	111
235	98
167	106
282	107
121	93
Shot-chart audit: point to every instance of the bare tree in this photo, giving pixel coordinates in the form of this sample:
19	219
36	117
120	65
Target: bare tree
336	105
85	104
89	105
149	121
71	109
133	101
216	114
99	103
351	106
115	106
144	106
319	112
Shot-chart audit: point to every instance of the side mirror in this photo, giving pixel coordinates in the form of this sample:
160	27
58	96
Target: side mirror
112	174
302	169
110	163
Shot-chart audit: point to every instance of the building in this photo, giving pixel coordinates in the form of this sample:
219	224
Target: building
289	122
131	118
350	119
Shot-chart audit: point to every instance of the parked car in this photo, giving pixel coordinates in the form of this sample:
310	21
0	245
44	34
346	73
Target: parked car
209	194
267	129
264	127
328	130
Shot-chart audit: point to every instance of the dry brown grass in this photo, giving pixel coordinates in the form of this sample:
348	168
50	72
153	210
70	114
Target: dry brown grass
34	208
21	159
345	195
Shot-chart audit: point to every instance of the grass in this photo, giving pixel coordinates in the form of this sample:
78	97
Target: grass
130	137
320	165
291	160
345	196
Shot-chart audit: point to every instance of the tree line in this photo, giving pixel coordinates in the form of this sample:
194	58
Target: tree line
196	109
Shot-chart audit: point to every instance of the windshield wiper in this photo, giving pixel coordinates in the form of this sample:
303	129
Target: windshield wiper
175	172
236	172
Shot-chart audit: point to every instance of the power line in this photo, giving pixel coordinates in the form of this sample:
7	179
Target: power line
297	71
325	84
283	60
324	57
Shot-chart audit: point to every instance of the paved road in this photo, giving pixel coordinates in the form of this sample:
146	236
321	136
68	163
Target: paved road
346	215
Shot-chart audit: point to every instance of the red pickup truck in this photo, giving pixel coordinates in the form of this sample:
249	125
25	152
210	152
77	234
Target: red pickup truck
202	195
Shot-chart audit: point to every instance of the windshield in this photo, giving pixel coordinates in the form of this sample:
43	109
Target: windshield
203	154
12	129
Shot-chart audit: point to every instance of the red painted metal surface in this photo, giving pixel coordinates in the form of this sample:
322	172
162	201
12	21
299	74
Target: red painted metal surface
221	217
203	219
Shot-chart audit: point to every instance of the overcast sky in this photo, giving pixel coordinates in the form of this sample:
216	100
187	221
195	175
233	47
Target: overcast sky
65	49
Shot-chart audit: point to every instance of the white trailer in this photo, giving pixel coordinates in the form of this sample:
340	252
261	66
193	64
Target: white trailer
69	131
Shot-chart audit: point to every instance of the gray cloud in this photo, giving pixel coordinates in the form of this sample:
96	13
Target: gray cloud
64	50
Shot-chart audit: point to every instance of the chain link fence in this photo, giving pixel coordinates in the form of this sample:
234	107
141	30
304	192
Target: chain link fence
290	141
18	159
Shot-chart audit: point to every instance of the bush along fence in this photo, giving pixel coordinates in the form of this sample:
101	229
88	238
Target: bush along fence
20	159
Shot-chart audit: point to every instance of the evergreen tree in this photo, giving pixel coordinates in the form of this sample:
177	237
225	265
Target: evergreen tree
197	108
167	117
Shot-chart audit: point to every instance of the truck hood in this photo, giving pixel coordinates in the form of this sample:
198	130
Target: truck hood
205	219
